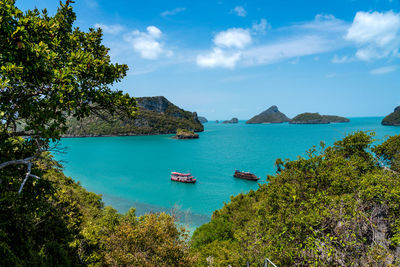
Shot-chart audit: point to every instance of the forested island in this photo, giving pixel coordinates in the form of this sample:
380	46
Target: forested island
393	118
155	115
337	206
271	115
233	120
316	118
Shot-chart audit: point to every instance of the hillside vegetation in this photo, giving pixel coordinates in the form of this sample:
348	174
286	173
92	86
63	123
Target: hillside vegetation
50	72
56	222
155	115
316	118
393	118
339	206
271	115
336	207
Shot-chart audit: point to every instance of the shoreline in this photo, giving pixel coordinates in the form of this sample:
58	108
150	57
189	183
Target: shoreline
116	135
112	135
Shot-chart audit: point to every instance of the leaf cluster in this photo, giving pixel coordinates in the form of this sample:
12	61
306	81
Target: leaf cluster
50	70
336	207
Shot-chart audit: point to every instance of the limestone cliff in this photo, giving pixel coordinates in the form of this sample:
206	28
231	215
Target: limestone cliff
156	115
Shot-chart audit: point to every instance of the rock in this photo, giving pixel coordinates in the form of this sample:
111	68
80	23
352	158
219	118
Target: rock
271	115
393	119
185	134
233	120
202	119
316	118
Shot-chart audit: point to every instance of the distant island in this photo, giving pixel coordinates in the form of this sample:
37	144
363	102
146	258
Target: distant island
185	134
202	119
271	115
233	120
156	115
393	118
316	118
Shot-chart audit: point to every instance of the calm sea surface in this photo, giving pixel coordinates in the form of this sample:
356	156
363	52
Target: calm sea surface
135	171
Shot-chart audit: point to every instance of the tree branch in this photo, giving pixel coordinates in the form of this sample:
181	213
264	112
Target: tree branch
25	161
28	163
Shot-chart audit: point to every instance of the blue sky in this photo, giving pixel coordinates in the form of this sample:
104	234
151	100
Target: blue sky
227	59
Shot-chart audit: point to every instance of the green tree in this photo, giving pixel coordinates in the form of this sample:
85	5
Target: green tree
389	152
50	70
335	207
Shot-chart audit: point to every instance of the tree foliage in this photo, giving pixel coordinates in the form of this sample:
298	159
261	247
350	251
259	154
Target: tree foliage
336	207
56	222
49	70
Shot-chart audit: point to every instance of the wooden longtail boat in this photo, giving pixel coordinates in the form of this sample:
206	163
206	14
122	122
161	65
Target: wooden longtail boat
245	175
182	177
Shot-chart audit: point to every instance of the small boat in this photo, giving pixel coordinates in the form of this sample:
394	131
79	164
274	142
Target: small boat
182	177
245	175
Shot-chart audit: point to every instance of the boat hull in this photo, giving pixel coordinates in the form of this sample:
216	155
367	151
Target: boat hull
183	181
246	176
182	177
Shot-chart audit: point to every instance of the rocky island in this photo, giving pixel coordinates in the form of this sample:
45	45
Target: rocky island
393	118
202	119
233	120
334	119
271	115
185	134
316	118
156	115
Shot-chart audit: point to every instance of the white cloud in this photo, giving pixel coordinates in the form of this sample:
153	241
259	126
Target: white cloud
339	60
323	23
376	34
281	50
240	11
147	43
227	49
173	11
112	29
260	28
323	34
383	70
234	37
218	58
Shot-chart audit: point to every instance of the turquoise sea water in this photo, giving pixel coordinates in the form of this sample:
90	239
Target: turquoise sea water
135	171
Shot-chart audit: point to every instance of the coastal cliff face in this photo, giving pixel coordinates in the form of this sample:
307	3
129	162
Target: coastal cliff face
393	118
316	118
271	115
156	115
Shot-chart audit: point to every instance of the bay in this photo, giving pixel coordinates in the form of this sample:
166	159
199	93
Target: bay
134	171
